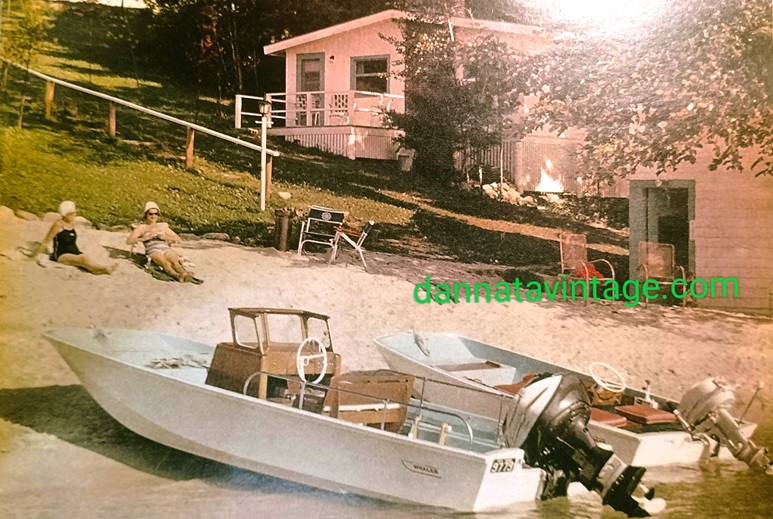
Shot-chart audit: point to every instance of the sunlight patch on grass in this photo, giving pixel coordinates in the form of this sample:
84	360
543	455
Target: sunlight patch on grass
215	101
78	71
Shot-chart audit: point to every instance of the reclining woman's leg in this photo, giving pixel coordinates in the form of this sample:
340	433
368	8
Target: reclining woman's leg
174	259
160	259
83	261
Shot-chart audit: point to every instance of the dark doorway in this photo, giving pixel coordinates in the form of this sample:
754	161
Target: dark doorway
668	220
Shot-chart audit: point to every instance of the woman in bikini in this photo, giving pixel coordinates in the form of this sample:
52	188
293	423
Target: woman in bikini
156	237
66	250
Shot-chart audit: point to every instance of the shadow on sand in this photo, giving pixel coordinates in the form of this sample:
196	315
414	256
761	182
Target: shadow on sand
70	414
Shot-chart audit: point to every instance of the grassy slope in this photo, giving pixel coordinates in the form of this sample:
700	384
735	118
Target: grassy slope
72	157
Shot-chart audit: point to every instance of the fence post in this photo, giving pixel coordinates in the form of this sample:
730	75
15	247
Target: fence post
269	163
50	85
189	148
111	119
22	102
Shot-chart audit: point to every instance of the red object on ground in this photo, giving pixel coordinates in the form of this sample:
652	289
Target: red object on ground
592	272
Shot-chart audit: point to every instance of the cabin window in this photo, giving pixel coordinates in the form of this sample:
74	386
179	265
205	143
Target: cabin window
284	329
319	330
371	74
467	74
246	330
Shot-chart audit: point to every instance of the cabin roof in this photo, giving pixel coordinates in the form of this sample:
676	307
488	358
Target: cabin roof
279	48
254	311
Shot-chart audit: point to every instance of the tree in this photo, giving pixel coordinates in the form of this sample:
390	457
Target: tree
23	40
459	95
221	41
23	43
699	74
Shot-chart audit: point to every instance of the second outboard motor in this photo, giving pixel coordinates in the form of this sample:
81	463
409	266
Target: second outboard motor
703	410
549	423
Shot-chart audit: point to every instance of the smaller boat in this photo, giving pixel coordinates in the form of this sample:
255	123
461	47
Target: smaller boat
273	400
643	429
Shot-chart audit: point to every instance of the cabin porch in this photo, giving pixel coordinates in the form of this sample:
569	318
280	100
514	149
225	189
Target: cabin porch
347	123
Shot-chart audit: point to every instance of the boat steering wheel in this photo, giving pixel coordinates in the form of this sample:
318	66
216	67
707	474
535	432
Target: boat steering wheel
613	385
301	360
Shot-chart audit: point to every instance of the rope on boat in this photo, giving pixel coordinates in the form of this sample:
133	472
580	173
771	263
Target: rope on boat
186	361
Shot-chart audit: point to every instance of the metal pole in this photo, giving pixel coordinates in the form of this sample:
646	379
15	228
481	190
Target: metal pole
238	108
263	130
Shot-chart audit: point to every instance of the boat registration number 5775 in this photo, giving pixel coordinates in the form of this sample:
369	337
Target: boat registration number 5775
505	465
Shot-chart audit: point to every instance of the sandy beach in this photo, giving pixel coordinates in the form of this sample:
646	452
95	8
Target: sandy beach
45	413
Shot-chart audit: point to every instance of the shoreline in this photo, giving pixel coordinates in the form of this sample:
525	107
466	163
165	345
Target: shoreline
60	453
673	347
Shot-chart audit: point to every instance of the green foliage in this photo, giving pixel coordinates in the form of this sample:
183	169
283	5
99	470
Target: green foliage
697	73
220	44
458	94
22	41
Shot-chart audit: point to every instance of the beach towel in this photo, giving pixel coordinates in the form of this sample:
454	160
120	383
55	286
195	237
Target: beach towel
158	273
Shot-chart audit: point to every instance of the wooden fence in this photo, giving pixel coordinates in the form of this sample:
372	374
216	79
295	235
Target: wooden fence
113	101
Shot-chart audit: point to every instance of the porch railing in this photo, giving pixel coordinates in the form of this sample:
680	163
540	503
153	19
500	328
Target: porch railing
308	109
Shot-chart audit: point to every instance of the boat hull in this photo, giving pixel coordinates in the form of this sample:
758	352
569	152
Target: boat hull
181	412
649	449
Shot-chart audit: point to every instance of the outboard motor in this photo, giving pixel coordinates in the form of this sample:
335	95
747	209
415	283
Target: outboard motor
549	422
703	411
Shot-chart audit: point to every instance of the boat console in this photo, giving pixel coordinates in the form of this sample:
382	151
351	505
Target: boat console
286	342
286	356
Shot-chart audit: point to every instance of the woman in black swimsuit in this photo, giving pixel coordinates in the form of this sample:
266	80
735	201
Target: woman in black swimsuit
65	247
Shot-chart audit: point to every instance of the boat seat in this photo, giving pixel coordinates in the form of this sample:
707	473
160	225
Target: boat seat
645	414
474	364
607	418
360	397
514	388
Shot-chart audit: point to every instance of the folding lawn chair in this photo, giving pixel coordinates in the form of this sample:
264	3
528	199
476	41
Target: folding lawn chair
320	227
656	261
353	238
575	265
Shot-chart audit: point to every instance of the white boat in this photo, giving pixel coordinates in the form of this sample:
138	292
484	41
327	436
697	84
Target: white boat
247	403
643	429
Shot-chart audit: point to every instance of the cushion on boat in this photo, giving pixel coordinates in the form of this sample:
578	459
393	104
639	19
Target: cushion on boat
514	388
645	414
607	418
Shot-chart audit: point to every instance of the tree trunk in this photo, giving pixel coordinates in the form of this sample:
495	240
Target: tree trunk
235	50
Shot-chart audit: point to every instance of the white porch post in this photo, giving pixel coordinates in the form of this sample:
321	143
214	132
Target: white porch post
264	107
351	144
263	130
238	111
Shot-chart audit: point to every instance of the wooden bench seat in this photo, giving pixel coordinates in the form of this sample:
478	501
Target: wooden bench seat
474	364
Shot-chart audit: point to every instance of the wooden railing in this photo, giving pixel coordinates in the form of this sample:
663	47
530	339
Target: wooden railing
51	83
305	109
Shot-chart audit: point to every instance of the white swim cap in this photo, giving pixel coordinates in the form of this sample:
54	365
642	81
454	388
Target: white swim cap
66	207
